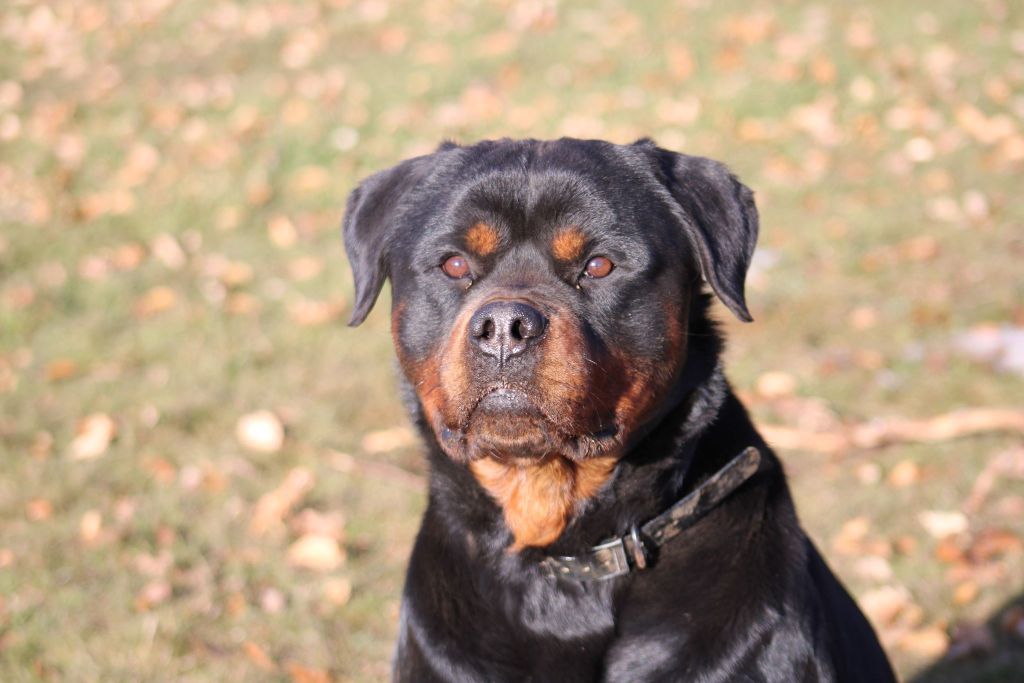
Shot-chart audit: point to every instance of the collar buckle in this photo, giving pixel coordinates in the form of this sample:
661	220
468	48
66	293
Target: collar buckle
639	555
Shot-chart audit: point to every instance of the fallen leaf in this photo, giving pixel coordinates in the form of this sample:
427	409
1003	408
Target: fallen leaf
90	526
948	551
869	473
273	506
884	604
316	552
61	369
388	440
307	312
305	674
258	656
850	538
152	594
873	568
272	601
260	431
942	523
337	591
965	593
156	300
990	544
39	509
776	384
305	268
905	473
310	521
282	232
93	436
927	643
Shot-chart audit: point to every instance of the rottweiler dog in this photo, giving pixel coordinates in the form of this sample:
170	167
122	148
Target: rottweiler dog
601	507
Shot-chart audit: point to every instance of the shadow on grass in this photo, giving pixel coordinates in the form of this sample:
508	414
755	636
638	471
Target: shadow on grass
1003	664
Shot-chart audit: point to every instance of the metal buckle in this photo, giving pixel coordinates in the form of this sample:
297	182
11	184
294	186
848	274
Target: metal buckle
611	557
637	550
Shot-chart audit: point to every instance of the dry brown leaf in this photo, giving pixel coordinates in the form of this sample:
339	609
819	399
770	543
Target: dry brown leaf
258	656
61	369
93	436
272	601
39	509
305	674
90	526
310	521
337	590
273	506
882	605
282	232
260	431
990	544
156	300
305	268
776	384
868	473
309	180
241	303
308	313
851	536
905	473
949	551
316	552
927	643
942	523
965	593
873	568
152	594
388	440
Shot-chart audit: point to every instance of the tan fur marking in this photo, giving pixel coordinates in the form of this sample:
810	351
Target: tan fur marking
482	239
539	498
568	244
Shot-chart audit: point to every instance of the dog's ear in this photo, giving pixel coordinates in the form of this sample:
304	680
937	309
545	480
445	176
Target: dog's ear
371	216
719	217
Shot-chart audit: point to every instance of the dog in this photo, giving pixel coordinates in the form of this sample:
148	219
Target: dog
601	507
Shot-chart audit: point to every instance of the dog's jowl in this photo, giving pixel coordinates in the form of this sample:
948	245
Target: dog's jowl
601	507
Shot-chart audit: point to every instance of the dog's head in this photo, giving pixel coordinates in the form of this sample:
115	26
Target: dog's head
540	290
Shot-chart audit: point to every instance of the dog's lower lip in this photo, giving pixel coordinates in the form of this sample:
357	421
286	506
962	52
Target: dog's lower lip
503	399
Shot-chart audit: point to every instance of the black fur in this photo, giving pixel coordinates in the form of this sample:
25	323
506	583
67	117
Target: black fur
742	595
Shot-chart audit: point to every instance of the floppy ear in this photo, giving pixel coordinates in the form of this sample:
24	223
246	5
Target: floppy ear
720	218
371	216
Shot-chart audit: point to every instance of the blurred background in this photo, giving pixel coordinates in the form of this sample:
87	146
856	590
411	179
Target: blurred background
205	475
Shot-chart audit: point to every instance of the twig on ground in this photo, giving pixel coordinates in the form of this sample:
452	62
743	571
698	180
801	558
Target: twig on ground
879	433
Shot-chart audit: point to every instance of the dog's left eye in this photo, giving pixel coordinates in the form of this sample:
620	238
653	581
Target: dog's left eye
455	267
598	267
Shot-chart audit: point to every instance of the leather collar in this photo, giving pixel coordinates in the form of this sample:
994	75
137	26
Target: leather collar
637	549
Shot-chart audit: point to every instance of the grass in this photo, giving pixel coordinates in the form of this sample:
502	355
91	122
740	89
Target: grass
208	148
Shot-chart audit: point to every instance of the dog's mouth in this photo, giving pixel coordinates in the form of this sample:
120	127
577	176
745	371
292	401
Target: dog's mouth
505	423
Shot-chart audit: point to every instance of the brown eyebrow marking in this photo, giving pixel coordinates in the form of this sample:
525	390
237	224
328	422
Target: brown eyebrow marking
482	239
568	244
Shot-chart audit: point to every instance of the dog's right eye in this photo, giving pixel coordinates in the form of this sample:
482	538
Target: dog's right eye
455	267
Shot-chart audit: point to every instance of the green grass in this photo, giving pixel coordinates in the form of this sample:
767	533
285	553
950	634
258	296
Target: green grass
240	102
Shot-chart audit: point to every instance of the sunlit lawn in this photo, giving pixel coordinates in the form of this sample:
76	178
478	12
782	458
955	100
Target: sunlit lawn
172	176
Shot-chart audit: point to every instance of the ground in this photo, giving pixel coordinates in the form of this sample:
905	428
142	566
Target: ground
173	292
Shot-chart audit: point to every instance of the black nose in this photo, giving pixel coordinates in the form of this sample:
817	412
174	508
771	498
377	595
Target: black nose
503	329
